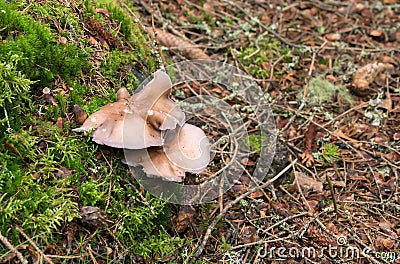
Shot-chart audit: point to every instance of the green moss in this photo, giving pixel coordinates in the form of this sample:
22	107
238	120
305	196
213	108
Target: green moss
322	91
26	201
254	57
255	142
117	66
43	58
15	89
48	173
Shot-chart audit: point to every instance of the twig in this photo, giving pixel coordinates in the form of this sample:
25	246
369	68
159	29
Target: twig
91	255
232	203
46	258
69	257
13	249
328	179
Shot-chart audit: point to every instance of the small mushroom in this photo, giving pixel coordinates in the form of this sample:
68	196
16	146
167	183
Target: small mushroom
135	122
186	149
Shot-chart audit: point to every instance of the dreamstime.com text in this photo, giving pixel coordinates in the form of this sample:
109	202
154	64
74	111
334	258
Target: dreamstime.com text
340	251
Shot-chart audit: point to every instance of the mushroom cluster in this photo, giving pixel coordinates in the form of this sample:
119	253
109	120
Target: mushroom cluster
152	130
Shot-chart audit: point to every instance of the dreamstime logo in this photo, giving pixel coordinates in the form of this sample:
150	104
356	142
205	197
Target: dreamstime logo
340	251
233	112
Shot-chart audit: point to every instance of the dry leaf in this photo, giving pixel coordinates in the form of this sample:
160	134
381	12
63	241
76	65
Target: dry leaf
333	36
64	172
256	194
376	33
309	136
381	138
387	59
341	184
387	102
339	133
249	234
364	76
185	216
209	8
313	204
383	243
305	183
387	229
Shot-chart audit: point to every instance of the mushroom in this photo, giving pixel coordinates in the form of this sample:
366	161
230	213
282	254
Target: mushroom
186	149
136	122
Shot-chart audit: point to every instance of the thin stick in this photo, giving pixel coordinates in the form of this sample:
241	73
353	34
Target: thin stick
232	203
328	179
47	259
13	249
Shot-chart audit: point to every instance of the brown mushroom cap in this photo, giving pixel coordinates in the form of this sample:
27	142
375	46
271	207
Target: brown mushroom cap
135	122
186	149
162	112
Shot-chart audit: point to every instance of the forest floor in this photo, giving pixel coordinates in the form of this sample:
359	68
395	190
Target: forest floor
330	71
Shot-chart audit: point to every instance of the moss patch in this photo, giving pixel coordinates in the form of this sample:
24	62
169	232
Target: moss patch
47	172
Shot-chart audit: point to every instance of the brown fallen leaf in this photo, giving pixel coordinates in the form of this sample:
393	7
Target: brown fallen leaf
249	234
341	184
256	194
309	136
176	43
333	36
339	133
307	158
387	103
387	229
382	243
387	59
313	204
208	7
306	183
376	33
364	76
184	218
64	172
381	138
